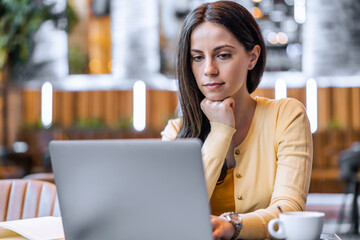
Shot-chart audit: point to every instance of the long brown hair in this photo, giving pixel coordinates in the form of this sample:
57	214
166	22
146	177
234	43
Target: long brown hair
236	19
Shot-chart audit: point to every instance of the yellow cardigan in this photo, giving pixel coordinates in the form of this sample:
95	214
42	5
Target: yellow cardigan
273	163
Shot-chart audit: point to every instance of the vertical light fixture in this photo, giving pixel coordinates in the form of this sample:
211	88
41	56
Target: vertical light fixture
280	89
139	105
312	104
46	104
300	11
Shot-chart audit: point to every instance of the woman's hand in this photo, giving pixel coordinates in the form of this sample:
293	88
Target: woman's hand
222	228
219	111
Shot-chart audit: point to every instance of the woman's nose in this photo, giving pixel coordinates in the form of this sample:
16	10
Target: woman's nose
211	68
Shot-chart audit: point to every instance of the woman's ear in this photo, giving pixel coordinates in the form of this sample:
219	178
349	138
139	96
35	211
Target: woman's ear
255	53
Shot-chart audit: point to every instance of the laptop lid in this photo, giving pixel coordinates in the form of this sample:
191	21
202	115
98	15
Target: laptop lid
131	189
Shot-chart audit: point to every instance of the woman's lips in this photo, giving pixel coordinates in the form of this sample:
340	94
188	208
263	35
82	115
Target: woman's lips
213	86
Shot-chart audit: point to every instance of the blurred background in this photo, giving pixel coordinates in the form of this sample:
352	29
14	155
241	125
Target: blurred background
105	69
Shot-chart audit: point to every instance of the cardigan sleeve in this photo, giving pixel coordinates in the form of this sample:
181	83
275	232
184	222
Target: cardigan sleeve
171	130
293	147
213	150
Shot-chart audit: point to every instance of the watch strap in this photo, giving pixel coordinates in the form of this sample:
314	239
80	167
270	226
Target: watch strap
237	224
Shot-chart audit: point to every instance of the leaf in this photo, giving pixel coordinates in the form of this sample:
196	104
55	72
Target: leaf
3	58
4	41
24	51
72	17
19	19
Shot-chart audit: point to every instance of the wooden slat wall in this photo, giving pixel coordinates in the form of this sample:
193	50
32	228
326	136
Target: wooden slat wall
355	107
161	106
339	105
335	105
341	100
32	109
63	102
82	105
298	93
108	106
324	107
15	111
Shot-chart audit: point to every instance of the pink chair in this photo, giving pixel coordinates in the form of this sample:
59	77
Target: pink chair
22	198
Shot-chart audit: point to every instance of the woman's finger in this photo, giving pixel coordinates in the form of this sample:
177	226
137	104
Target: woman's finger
219	111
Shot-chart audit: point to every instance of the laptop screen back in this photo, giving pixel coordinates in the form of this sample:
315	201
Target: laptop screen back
131	189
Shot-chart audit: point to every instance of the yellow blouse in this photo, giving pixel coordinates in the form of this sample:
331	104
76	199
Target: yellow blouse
222	199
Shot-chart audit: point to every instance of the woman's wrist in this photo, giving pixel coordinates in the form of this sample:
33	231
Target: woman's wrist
235	220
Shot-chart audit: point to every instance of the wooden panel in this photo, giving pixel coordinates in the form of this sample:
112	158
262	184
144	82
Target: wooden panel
67	112
355	108
15	105
82	105
334	104
264	92
332	185
96	104
125	99
174	104
324	108
335	143
56	114
320	152
111	106
160	108
297	93
32	106
341	106
327	174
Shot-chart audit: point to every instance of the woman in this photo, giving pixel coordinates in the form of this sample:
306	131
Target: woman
257	152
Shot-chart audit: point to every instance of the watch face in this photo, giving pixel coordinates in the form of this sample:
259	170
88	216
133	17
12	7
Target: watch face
235	218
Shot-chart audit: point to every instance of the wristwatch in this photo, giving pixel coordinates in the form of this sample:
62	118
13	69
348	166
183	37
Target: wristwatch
235	220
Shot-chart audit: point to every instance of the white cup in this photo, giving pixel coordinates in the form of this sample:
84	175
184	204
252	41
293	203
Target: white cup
297	225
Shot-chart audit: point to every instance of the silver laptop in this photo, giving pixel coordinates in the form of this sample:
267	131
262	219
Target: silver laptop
131	189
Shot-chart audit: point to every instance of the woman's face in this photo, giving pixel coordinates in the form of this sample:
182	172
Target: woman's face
219	62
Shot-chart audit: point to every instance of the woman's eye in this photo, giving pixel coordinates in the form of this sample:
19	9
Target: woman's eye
197	58
224	56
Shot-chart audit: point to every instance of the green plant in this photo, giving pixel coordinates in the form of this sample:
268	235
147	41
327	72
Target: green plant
72	18
92	123
19	19
123	124
335	124
78	61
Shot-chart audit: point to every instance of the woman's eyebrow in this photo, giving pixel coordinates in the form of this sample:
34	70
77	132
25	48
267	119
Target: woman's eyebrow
215	49
195	50
222	46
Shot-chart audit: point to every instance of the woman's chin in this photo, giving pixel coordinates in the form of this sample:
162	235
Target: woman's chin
216	98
